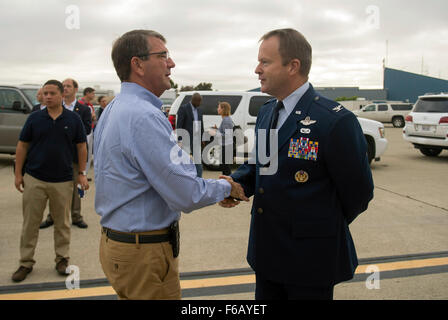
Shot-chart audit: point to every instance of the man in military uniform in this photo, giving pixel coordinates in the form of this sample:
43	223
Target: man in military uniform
300	244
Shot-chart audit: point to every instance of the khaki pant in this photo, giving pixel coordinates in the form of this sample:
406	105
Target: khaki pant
76	200
35	196
141	271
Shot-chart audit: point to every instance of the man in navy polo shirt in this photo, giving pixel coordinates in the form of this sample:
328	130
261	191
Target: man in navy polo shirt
47	143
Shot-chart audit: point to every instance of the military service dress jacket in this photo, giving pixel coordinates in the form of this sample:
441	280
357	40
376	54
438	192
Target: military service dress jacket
300	215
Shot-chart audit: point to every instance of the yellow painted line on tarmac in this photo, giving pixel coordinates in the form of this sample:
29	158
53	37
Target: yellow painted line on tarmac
400	265
209	282
107	290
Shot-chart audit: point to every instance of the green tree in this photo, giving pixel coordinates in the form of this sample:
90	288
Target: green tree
187	88
173	85
205	86
346	98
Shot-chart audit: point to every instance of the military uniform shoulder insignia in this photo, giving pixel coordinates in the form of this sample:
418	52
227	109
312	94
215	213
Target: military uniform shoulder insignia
338	108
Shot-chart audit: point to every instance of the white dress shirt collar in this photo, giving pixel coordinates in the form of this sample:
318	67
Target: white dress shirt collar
71	106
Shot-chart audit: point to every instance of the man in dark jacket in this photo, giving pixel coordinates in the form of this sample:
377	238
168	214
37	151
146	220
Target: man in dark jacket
189	118
308	185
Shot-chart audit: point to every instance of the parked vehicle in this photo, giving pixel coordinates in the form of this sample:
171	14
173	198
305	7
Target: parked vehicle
16	102
375	135
386	112
427	125
245	107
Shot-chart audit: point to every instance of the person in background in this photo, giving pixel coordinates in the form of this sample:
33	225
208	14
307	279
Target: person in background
225	136
189	118
102	101
40	98
87	100
69	102
46	142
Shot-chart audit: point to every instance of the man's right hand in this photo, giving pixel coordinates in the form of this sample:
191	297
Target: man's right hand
229	203
237	191
19	183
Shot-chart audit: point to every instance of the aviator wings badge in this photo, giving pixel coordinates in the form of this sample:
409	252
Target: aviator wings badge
307	121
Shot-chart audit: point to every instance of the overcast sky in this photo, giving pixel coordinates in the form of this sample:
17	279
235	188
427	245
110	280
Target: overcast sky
217	40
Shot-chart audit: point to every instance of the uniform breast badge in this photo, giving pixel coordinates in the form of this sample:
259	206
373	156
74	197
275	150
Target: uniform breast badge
301	176
307	121
303	148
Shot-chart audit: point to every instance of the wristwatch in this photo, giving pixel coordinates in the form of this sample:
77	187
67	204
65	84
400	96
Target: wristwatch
84	173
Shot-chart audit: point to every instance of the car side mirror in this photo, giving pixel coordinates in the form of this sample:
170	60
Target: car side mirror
17	106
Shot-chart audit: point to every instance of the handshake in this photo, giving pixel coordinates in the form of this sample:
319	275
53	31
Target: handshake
236	194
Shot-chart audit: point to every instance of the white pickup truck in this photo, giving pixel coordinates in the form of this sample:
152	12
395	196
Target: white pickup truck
386	112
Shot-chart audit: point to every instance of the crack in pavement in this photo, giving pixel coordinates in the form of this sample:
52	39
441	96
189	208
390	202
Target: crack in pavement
409	197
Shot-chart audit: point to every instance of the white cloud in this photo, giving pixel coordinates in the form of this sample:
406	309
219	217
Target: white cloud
217	41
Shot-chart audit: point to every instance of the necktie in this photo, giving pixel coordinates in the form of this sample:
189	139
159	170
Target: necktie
277	108
274	121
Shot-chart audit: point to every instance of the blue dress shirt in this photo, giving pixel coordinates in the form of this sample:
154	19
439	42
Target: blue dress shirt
140	184
290	103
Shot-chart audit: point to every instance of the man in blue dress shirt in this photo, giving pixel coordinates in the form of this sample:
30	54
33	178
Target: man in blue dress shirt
141	187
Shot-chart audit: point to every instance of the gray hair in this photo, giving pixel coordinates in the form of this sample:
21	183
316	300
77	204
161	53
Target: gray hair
131	44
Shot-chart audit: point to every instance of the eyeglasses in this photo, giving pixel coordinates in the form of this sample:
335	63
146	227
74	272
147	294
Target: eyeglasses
162	54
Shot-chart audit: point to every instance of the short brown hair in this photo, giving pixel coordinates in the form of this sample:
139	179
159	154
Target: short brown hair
88	90
225	108
131	44
293	45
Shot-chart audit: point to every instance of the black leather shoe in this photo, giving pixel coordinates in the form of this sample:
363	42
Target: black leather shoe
80	224
46	224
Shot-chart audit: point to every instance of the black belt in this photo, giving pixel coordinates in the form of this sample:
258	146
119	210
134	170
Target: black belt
142	238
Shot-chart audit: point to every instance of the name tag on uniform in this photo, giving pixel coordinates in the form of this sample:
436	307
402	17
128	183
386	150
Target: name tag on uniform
303	148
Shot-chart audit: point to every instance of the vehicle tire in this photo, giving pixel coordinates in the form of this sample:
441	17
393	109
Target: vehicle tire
213	158
431	152
398	122
370	148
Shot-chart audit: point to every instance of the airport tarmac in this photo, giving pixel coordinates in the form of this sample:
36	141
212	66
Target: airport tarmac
403	236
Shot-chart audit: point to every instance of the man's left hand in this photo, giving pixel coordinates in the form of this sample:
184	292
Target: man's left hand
82	180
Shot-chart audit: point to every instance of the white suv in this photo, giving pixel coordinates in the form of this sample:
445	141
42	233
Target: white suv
244	110
427	125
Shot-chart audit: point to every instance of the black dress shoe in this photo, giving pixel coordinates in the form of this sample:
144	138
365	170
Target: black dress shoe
80	224
46	224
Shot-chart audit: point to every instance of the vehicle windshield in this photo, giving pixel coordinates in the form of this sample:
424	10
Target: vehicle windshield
436	105
31	95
